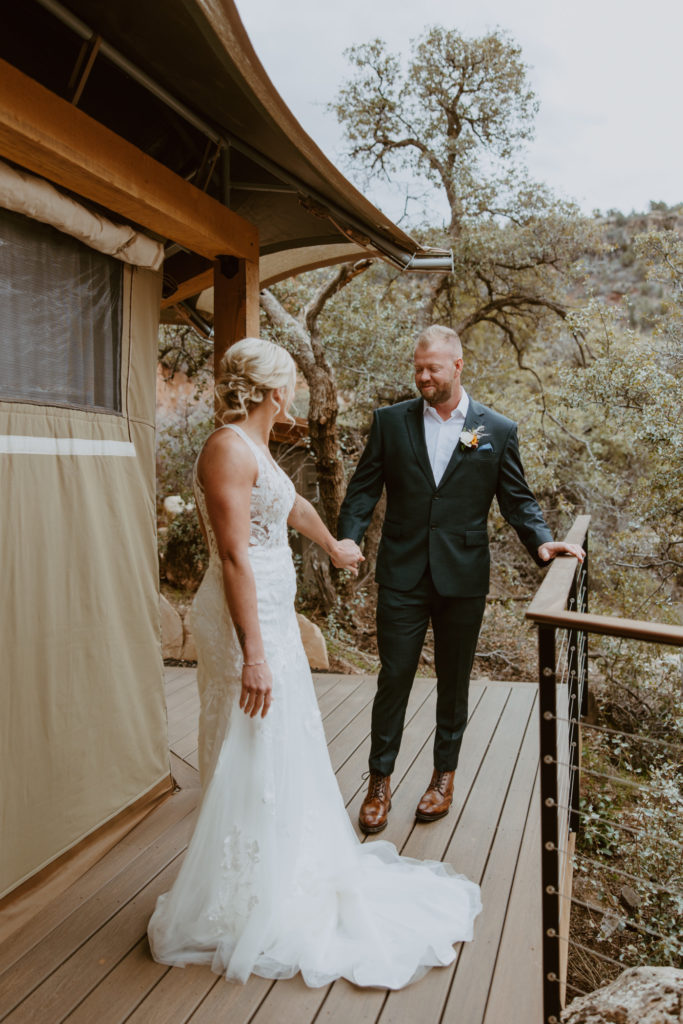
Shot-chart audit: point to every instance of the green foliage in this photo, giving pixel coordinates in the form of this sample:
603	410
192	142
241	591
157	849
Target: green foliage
599	835
628	403
182	550
631	830
179	443
183	348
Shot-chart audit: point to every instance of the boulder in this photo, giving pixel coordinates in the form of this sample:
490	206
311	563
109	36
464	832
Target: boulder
314	644
171	630
640	995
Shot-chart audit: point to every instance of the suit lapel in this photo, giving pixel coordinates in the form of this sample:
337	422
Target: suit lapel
416	432
474	418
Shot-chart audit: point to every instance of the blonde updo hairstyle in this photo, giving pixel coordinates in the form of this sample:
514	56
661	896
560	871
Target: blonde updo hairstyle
248	372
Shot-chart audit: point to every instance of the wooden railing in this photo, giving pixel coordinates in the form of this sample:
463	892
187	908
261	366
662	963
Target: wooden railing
560	612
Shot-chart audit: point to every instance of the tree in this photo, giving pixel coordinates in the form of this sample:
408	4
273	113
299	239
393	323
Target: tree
456	117
300	334
630	397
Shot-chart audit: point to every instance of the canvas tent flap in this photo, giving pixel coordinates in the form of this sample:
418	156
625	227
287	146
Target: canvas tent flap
36	198
82	711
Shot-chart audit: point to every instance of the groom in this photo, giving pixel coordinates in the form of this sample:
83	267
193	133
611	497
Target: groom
442	458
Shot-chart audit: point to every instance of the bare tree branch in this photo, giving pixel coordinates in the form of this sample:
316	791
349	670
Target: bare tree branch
298	342
343	276
509	302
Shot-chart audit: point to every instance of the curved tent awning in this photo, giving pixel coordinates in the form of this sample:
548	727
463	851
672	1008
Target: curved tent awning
181	81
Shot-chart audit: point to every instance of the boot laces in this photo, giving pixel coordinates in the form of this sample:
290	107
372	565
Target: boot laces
439	781
378	786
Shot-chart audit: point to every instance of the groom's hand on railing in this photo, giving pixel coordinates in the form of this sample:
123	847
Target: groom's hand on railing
551	548
346	555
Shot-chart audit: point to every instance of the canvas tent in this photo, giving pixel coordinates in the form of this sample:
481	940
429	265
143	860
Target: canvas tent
146	158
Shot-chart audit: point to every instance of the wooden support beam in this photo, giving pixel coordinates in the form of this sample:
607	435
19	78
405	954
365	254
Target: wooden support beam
235	304
186	289
47	135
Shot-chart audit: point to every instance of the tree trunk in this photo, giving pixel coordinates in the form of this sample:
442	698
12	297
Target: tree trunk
324	434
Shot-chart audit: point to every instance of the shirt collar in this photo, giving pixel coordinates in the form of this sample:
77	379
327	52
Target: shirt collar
459	413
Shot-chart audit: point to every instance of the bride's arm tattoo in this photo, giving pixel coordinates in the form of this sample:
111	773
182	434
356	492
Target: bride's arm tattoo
241	635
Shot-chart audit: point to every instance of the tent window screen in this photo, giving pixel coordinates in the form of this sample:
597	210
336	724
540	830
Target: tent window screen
60	318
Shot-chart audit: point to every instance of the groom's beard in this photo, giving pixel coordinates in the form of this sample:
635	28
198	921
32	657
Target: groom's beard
436	397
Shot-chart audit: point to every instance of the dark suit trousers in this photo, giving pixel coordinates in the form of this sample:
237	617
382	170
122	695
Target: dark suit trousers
402	621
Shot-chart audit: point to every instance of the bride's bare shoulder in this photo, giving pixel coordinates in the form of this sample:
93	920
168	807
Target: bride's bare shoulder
225	453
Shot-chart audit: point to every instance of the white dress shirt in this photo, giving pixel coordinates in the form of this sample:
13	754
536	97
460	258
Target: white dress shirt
442	436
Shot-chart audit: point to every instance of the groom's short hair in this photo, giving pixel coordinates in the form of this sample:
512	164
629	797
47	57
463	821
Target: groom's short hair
437	333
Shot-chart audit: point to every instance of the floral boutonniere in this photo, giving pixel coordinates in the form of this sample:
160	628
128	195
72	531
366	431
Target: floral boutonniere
471	438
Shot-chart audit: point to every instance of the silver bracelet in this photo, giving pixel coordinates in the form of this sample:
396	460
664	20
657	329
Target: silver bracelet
251	664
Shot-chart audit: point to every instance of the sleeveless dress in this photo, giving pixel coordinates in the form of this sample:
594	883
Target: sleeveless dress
275	880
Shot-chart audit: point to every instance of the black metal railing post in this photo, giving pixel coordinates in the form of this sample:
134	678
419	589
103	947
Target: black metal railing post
583	653
549	824
574	703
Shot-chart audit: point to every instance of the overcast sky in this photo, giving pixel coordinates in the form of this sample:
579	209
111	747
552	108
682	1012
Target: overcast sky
608	74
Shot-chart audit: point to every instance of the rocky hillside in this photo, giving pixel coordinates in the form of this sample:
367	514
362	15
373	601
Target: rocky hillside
616	275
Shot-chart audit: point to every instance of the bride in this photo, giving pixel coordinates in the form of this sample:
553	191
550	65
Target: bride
274	880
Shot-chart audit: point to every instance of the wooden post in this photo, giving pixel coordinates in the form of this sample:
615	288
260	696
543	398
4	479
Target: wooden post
235	303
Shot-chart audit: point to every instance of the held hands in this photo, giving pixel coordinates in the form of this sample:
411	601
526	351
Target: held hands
345	554
257	686
547	551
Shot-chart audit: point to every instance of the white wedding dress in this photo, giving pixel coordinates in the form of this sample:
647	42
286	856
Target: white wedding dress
274	880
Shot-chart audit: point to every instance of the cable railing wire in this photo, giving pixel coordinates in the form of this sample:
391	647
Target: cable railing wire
621	733
563	700
631	783
592	951
666	890
594	816
635	925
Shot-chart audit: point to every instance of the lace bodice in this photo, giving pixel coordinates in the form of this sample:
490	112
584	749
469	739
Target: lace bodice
272	497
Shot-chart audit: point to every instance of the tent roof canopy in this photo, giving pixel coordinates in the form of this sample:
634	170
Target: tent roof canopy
181	81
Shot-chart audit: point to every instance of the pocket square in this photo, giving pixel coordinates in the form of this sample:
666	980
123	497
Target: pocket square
485	447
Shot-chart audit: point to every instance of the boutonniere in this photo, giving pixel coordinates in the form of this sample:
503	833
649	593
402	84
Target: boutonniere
471	438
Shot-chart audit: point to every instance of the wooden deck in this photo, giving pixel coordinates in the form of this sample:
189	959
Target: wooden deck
85	958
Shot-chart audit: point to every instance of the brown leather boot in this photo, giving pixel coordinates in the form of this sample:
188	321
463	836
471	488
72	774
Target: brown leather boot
437	798
377	804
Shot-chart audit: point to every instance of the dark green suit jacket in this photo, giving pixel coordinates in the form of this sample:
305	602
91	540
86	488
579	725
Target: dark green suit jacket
444	526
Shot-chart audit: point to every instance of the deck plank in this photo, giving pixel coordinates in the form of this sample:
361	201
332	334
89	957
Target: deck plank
88	959
351	706
118	995
118	859
77	975
468	841
39	963
234	1004
178	696
477	960
176	996
519	966
349	749
486	707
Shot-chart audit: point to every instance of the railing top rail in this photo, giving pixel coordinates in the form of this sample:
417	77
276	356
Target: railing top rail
553	592
549	604
630	629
